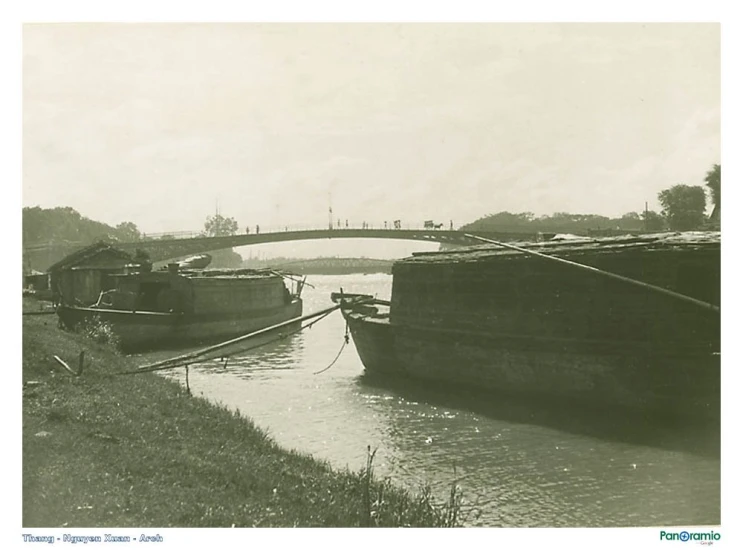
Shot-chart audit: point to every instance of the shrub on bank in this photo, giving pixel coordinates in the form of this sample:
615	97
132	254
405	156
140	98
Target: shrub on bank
99	331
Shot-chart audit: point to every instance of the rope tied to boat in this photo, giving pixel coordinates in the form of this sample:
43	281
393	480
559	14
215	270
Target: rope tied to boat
346	341
193	357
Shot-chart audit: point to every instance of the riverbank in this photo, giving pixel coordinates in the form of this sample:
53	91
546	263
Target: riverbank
104	450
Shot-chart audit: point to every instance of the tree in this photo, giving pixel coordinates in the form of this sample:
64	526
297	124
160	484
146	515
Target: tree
226	258
631	221
142	258
219	226
61	224
653	221
683	206
127	231
712	180
141	255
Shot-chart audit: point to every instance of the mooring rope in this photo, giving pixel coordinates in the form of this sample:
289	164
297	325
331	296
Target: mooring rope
346	340
190	359
195	354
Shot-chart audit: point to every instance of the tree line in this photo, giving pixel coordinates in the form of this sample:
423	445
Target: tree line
683	208
65	225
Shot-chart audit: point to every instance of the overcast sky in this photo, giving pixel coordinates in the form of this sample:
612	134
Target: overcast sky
156	123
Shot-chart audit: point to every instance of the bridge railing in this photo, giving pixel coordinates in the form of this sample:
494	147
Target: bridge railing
338	225
172	235
167	235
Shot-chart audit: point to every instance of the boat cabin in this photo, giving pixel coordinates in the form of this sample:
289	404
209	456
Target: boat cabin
197	292
80	277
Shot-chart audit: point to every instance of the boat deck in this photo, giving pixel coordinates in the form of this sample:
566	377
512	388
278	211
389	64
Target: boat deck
575	245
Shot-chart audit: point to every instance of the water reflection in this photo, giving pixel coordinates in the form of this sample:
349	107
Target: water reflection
268	356
519	471
630	427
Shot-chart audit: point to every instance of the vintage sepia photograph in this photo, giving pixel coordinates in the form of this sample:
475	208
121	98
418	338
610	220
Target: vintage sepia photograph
370	275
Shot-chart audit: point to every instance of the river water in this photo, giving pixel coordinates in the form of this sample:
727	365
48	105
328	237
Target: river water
516	463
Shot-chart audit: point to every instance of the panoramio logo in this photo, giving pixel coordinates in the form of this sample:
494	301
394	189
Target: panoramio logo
686	536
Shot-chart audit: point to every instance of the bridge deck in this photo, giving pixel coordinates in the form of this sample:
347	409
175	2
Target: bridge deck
164	249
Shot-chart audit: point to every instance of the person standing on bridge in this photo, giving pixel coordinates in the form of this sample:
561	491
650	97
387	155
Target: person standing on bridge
346	224
247	230
451	225
257	229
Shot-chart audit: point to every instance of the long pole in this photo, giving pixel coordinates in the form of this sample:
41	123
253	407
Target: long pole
221	345
330	211
608	274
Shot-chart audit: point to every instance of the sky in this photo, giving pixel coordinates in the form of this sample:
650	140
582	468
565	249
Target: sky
161	124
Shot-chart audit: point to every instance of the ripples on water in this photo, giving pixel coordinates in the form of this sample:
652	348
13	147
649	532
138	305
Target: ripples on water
520	464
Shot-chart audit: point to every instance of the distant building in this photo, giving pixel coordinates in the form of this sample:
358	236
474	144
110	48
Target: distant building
37	282
84	274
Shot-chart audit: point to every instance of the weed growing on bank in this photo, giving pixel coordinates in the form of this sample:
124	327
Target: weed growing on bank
383	503
100	332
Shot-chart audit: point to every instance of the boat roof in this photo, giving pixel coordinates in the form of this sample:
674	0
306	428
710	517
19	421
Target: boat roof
225	274
563	244
89	252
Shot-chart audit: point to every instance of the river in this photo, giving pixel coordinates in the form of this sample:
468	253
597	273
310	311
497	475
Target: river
516	464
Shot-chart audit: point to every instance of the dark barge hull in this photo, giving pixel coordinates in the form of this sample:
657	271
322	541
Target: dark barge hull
674	384
149	330
504	322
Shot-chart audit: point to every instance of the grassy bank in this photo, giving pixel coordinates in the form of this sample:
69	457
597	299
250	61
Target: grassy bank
102	450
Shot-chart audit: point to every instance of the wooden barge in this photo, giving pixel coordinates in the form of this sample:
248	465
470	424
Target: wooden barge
495	319
147	310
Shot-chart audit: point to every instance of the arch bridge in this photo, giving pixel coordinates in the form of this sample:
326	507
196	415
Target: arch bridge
168	247
165	249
